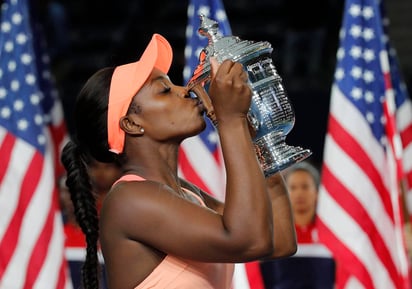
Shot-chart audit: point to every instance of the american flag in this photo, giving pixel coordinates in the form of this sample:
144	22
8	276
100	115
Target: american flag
367	155
31	226
200	157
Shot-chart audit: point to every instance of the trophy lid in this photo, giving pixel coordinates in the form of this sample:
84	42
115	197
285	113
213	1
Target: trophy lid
222	48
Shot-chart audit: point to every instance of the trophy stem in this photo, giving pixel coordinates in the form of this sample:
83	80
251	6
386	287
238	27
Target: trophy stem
275	155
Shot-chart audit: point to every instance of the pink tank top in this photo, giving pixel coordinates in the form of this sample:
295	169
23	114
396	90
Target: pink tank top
178	273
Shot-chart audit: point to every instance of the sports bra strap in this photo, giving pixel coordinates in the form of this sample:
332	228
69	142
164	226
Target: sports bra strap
131	177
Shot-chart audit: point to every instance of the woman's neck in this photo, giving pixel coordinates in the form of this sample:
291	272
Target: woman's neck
303	219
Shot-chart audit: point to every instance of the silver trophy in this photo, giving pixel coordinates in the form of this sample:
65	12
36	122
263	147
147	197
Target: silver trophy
271	116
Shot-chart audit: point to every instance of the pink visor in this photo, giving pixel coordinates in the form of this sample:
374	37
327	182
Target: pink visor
127	80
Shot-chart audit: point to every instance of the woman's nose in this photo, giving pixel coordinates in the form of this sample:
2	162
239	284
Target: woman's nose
183	91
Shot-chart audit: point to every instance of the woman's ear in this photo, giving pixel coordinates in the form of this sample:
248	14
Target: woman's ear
130	125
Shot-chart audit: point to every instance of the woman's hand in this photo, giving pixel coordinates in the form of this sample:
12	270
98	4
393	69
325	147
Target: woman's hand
229	89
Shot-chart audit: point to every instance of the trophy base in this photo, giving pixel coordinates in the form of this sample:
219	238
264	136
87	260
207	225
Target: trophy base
275	155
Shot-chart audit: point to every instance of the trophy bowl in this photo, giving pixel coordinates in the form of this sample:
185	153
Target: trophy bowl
271	116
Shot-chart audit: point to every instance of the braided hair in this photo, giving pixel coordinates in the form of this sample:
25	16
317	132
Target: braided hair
89	141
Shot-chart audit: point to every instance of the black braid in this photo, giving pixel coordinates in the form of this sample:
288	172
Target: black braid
89	142
85	210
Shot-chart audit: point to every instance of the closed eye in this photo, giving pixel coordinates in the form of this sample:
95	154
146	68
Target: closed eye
166	89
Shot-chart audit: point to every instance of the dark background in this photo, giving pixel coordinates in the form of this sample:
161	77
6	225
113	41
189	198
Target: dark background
85	36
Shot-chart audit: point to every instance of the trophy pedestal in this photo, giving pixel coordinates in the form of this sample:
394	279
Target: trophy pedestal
275	155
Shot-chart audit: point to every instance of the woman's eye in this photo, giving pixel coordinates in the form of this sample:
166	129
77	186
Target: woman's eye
166	89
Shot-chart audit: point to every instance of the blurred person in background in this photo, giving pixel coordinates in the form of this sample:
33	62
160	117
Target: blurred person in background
312	267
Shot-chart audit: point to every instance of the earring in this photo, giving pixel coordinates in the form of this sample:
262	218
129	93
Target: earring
142	130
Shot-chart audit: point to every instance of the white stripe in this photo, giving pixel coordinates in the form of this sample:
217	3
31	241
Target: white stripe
75	254
32	225
10	184
205	166
359	185
354	123
404	115
312	250
407	158
384	61
353	283
240	280
50	270
55	254
352	236
3	133
79	254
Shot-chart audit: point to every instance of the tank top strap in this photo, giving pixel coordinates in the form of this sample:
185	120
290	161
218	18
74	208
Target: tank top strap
128	178
131	177
196	196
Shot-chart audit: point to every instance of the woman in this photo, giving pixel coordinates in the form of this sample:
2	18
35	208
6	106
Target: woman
157	230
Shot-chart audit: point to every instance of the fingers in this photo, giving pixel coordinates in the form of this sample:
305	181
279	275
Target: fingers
214	65
226	68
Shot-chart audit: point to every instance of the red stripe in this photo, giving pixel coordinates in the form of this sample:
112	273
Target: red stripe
254	275
39	251
344	256
350	145
6	149
189	173
391	133
406	135
62	278
9	242
355	209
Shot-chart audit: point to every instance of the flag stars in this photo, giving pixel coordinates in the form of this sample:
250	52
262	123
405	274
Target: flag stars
41	139
368	55
369	97
22	124
356	93
213	137
21	38
5	112
5	27
26	58
368	34
204	10
188	51
339	73
30	79
340	53
189	31
34	99
356	72
18	105
220	15
370	117
8	46
368	76
367	12
384	141
355	10
383	119
11	66
190	10
16	18
15	85
356	52
38	119
3	93
355	31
